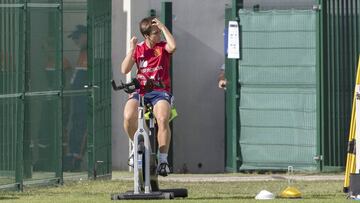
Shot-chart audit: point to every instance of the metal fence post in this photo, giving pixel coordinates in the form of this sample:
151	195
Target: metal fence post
319	76
233	158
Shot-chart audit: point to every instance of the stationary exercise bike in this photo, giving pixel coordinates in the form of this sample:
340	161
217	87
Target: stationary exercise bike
146	184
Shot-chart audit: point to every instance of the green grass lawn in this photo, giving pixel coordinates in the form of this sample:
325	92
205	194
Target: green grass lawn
100	190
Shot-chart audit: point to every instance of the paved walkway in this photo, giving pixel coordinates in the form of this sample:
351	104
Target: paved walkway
235	177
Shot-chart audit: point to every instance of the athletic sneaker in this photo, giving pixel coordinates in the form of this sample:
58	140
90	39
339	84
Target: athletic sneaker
163	169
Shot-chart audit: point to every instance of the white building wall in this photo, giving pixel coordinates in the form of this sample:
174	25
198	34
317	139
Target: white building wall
199	135
119	140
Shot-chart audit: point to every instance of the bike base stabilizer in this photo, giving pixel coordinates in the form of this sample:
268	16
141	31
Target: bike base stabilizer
143	196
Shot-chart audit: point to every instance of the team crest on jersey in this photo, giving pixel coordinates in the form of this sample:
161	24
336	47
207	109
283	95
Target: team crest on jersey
157	52
143	64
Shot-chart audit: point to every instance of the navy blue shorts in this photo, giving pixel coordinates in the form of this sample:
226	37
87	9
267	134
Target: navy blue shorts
154	96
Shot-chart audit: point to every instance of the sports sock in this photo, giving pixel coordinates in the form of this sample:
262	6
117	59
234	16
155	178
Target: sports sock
163	158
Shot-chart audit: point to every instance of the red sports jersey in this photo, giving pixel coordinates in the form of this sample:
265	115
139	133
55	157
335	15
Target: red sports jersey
153	63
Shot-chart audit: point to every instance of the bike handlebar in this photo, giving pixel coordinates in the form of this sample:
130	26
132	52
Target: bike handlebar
128	87
135	84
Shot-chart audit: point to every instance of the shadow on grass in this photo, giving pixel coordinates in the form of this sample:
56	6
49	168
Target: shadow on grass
323	197
220	198
8	197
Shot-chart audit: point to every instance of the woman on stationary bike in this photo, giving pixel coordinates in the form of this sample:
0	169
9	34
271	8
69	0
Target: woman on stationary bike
152	58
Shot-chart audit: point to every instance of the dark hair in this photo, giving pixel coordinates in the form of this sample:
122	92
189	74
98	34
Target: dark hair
145	25
80	29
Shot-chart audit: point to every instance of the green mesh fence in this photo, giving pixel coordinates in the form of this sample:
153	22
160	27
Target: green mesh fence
49	95
341	49
11	89
277	75
75	78
42	91
100	62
